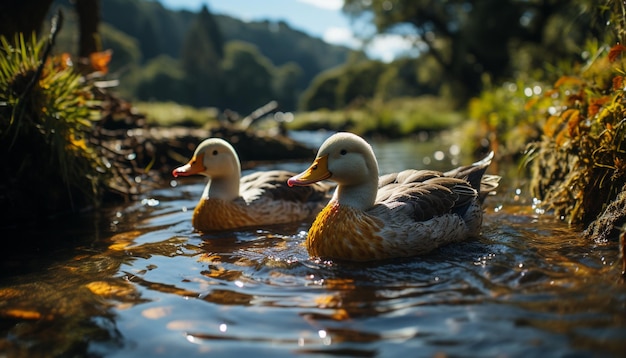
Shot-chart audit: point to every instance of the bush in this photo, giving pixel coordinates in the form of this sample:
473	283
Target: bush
579	166
46	120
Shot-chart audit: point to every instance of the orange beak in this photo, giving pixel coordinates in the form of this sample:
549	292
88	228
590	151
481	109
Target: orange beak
194	166
318	171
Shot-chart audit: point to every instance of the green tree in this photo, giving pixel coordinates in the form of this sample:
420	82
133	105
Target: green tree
201	56
400	79
248	75
161	79
358	82
287	79
322	93
149	43
126	51
469	38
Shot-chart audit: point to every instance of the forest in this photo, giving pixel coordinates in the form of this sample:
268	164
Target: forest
203	59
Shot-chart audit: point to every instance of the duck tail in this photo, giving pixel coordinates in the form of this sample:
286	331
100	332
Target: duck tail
475	175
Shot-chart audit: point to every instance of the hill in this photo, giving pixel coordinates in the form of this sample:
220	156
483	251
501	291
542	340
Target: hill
147	40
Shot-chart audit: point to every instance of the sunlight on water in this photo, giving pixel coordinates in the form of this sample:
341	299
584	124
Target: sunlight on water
148	285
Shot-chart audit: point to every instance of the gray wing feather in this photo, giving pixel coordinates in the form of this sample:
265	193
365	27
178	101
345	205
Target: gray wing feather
273	184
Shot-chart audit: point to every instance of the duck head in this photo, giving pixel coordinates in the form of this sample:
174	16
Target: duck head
348	160
216	159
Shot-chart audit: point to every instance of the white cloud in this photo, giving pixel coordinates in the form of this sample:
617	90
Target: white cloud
383	47
388	47
341	36
325	4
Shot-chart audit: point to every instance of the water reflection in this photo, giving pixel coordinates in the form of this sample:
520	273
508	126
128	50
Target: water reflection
148	285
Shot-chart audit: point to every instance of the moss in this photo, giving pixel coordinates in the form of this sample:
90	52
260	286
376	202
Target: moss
579	166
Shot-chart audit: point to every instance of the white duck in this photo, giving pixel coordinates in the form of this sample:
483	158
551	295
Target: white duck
262	198
397	215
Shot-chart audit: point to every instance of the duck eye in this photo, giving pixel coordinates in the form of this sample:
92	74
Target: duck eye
215	152
343	152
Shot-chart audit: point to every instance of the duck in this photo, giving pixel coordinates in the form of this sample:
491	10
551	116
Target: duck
230	201
397	215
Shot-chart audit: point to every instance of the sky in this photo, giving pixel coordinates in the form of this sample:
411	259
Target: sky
318	18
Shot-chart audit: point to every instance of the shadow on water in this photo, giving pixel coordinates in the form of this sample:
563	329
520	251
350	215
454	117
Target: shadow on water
140	282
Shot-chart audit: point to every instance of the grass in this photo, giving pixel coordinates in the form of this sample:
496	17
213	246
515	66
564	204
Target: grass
398	117
395	118
168	114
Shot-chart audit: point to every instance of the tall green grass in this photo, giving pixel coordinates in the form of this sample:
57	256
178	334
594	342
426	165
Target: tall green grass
397	117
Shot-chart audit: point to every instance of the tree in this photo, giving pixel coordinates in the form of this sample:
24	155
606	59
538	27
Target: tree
201	56
88	20
125	49
400	79
22	16
469	38
161	79
248	78
359	81
322	93
287	80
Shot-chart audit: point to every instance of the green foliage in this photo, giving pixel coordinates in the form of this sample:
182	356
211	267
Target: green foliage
286	86
158	31
248	76
501	115
46	120
580	165
168	114
572	114
125	48
281	45
322	93
400	79
358	82
470	38
399	117
161	79
186	37
201	56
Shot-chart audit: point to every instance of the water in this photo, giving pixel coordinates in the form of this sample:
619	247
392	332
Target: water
138	281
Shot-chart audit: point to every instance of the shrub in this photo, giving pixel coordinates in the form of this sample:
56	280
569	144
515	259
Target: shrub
47	111
579	166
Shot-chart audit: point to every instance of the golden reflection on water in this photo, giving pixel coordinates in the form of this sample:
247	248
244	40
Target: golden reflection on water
151	285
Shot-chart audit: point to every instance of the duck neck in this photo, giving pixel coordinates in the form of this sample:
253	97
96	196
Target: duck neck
224	187
361	196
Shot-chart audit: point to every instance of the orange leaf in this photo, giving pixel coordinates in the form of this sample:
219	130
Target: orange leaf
551	125
66	60
550	93
560	139
567	80
618	83
22	314
100	60
531	103
573	120
615	52
609	126
595	105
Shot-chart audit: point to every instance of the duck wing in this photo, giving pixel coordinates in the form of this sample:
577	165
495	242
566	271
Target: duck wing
475	175
273	185
423	194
